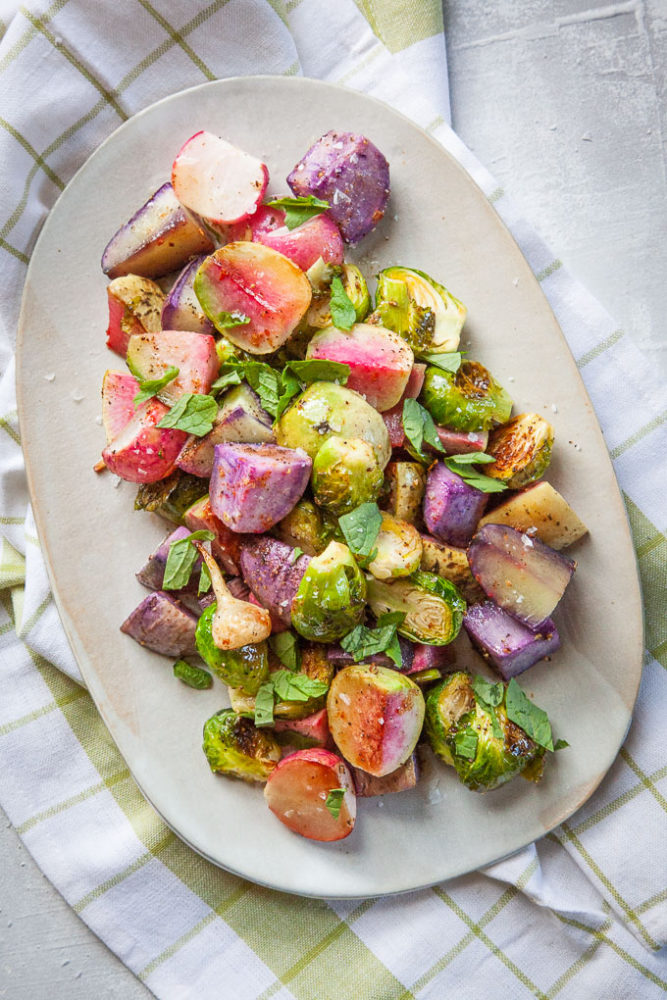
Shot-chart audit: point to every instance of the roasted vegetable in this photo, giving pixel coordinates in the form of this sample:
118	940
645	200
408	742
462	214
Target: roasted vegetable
181	309
508	645
354	285
346	473
398	549
522	450
162	624
331	597
307	527
311	731
312	793
452	507
225	544
170	498
328	410
234	623
315	666
273	571
135	305
149	355
402	779
143	452
433	607
476	738
541	510
318	238
375	716
246	668
234	746
470	400
452	563
405	483
418	308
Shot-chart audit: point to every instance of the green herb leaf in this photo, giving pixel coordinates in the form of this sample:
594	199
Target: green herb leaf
291	387
363	642
449	362
465	743
334	801
264	705
419	428
471	458
341	307
181	560
235	318
286	648
150	387
299	209
490	694
194	677
193	413
204	580
297	687
319	370
533	720
296	552
266	382
561	744
229	375
361	528
462	466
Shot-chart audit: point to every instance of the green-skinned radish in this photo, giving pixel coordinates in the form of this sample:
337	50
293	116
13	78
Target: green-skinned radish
299	793
194	354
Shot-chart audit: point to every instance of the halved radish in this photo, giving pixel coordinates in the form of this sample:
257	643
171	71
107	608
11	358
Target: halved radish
143	452
393	418
118	392
380	361
194	354
298	788
375	716
135	306
315	238
314	727
262	289
220	183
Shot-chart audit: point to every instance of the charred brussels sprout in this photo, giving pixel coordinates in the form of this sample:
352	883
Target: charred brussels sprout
246	668
398	549
433	607
171	497
475	737
355	287
346	473
470	400
421	310
522	450
405	483
308	528
234	746
315	665
331	597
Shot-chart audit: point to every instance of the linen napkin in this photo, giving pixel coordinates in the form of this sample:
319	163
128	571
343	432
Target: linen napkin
583	913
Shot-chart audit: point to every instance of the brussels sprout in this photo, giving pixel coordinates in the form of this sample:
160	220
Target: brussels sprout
346	473
308	528
399	549
331	597
315	665
171	497
433	607
234	746
425	314
522	450
356	289
476	738
406	482
246	668
328	410
228	352
470	400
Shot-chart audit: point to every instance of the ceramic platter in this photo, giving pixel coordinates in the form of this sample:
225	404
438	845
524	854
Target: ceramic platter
439	221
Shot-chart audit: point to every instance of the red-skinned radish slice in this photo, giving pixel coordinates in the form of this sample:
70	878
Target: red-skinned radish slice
315	238
135	306
297	791
235	623
143	452
218	182
258	286
118	392
393	418
462	442
194	354
380	361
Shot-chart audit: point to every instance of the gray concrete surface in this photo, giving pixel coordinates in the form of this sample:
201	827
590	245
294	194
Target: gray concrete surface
565	101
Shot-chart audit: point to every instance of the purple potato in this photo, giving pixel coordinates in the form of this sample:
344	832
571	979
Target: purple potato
452	508
162	624
238	588
519	573
159	238
253	486
508	645
273	575
181	310
352	175
401	780
241	418
152	574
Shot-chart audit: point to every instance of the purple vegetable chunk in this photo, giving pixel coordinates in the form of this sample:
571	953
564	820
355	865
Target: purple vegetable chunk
452	507
273	575
509	646
151	575
253	486
401	780
352	175
181	309
162	624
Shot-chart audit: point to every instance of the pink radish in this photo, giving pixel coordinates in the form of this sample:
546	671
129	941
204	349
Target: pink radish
135	305
118	392
143	452
299	787
393	418
226	545
194	354
314	727
315	238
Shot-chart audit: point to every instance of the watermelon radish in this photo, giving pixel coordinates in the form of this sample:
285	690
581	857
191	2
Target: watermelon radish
314	727
118	392
316	238
143	452
135	305
194	354
297	791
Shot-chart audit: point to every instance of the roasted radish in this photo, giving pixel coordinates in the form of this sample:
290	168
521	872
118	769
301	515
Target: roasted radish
135	306
149	355
312	793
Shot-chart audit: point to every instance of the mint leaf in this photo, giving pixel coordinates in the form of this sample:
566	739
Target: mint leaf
419	428
286	648
490	694
533	720
561	744
264	705
296	552
471	458
465	743
299	209
226	319
334	801
229	375
193	413
449	361
363	642
150	387
319	370
204	580
194	677
181	560
290	387
342	310
266	383
296	687
361	528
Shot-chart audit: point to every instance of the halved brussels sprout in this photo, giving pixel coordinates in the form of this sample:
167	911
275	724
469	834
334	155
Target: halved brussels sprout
246	668
406	483
356	289
331	597
433	607
470	400
451	563
234	746
476	739
522	450
308	528
315	665
399	549
171	497
346	473
420	309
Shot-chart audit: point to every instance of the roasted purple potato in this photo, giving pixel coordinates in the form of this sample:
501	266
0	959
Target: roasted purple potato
253	486
181	309
452	507
162	624
240	418
273	574
509	645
